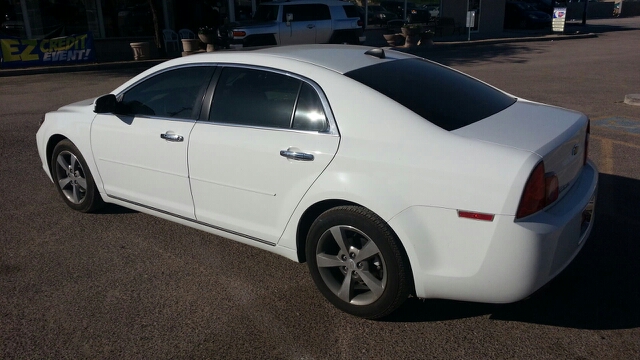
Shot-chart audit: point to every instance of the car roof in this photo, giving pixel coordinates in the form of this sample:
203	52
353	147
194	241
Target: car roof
336	57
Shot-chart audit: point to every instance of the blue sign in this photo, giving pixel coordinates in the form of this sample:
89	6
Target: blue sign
46	52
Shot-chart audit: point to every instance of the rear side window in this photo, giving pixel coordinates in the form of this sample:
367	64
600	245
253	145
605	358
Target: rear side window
445	97
251	97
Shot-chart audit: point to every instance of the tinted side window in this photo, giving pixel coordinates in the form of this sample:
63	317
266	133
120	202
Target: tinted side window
254	98
171	94
309	114
308	12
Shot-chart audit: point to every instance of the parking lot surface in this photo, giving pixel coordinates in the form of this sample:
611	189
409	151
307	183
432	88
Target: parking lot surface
127	285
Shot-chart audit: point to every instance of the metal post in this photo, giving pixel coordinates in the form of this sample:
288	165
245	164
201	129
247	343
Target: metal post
466	20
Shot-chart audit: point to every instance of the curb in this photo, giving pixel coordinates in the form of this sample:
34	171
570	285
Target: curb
517	40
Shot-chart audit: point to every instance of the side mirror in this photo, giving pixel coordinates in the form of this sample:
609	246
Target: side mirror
105	104
289	17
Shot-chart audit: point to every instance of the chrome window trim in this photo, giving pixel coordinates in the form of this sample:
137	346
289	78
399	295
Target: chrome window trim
333	127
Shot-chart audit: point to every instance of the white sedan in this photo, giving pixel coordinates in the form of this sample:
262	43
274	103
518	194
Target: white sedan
390	175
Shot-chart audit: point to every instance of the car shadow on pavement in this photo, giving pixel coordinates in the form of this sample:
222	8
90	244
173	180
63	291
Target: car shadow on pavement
498	53
600	290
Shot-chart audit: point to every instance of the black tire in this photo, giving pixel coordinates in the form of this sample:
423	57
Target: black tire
72	178
363	269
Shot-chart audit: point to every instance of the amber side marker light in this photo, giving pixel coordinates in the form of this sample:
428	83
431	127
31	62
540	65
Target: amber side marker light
239	33
475	215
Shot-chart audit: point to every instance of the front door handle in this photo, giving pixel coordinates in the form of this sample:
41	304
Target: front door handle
172	137
295	155
311	26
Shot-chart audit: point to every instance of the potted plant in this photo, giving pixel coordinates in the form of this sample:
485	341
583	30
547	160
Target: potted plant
207	34
411	33
411	29
426	38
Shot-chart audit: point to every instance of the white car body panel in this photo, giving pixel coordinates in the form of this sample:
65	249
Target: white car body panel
413	174
240	182
136	164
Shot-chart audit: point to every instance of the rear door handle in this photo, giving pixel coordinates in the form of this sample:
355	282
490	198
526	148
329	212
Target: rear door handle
172	137
311	26
295	155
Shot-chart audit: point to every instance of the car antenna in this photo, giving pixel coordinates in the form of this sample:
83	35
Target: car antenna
377	52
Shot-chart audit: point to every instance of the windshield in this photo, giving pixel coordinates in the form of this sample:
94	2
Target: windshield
445	97
266	13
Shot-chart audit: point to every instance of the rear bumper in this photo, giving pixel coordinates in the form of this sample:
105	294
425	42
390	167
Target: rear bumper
500	261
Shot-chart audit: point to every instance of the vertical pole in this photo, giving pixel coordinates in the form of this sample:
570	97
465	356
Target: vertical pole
25	18
467	23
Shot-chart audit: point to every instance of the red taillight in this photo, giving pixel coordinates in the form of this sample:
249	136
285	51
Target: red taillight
360	23
533	197
586	142
541	190
550	188
239	33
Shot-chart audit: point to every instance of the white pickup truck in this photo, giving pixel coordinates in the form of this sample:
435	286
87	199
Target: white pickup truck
300	22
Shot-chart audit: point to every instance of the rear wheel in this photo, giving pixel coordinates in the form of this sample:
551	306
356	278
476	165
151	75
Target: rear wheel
73	179
356	262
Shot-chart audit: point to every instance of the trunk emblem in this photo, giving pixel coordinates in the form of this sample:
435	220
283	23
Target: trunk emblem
574	151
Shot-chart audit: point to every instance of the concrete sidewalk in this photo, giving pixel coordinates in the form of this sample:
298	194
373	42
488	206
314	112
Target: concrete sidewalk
375	38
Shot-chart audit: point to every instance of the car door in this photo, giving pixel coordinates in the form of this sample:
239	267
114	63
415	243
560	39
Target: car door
302	29
267	140
141	152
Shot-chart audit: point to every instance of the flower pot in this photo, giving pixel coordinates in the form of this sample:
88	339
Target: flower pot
426	39
411	40
190	45
394	39
207	38
141	50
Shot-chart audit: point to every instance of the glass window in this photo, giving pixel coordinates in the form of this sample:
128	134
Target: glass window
307	12
445	97
309	114
266	13
171	94
254	98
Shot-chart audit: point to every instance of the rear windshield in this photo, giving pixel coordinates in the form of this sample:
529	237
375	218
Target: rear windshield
445	97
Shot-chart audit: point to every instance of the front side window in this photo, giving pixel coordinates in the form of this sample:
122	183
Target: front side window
171	94
261	98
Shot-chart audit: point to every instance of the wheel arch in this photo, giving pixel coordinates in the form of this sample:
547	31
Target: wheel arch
312	213
51	144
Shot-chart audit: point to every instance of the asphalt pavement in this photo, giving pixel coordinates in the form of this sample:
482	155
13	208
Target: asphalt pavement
122	284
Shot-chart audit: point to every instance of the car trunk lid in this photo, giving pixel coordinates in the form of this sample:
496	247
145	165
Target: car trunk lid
555	134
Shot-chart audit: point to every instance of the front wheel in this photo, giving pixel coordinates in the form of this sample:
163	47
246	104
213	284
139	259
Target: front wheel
73	179
357	263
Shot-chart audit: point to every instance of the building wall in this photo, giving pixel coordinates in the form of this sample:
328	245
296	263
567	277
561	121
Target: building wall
491	14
